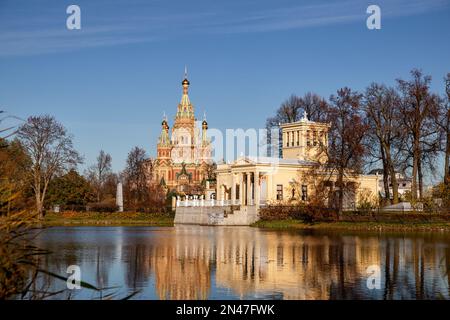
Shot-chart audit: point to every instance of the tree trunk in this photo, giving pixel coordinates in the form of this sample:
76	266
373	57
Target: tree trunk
391	170
387	193
447	161
39	208
394	185
420	173
340	194
416	155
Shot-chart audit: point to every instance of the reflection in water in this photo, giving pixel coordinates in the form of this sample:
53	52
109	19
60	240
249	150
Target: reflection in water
193	262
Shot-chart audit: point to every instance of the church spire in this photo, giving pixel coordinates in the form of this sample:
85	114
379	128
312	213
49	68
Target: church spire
185	108
164	139
204	129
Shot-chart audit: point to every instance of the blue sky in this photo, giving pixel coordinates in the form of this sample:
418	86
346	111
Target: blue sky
110	82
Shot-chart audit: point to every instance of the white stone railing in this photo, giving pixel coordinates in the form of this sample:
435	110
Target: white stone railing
199	201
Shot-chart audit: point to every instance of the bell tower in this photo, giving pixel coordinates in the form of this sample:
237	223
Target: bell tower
305	140
184	130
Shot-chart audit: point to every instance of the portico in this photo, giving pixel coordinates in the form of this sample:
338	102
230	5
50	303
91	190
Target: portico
251	181
242	186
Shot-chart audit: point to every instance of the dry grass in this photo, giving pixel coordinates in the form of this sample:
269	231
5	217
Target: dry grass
71	218
17	255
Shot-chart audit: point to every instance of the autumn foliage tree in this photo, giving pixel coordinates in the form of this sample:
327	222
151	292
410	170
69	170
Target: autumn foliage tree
70	189
51	152
346	148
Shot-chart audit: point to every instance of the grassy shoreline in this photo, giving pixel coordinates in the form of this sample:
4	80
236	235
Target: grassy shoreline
291	224
167	220
108	219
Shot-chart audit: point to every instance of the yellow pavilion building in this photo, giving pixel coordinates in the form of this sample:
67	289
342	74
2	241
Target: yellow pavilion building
296	176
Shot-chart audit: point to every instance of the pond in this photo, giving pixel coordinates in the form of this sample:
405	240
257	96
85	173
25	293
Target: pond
200	262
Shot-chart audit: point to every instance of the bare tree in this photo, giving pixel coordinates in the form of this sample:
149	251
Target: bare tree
6	132
419	108
135	176
346	148
289	111
315	106
100	172
293	109
51	151
443	122
384	135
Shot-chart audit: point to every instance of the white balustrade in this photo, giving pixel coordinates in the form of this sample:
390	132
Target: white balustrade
200	201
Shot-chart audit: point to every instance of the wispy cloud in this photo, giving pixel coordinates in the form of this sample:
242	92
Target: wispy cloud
110	24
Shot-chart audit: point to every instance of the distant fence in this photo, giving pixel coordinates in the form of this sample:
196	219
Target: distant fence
320	214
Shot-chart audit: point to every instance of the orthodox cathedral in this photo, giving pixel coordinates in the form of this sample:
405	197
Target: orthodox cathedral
183	153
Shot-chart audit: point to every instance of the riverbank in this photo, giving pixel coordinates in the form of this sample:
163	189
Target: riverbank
108	219
167	220
353	226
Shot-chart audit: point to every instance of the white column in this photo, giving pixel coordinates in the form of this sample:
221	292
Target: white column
233	189
241	188
257	189
269	187
249	189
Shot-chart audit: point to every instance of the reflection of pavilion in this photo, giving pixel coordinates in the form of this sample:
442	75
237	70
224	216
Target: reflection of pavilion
295	267
182	270
249	262
256	263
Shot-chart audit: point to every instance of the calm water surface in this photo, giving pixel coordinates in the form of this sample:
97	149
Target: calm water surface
195	262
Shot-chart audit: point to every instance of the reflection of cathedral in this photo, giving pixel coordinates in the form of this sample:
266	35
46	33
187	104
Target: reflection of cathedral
184	155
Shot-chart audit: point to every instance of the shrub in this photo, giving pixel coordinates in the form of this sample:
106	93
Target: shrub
103	207
305	213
